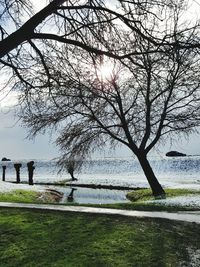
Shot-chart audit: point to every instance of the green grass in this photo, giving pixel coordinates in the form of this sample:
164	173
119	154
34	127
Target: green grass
146	194
28	196
38	239
23	196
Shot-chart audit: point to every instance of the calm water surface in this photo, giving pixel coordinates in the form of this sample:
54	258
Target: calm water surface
172	172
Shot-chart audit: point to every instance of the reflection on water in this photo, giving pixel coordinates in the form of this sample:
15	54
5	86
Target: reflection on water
70	197
92	196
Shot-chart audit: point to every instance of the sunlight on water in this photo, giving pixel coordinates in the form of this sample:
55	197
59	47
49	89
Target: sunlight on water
171	172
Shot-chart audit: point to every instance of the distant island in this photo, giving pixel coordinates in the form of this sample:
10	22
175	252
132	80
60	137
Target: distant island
5	159
175	154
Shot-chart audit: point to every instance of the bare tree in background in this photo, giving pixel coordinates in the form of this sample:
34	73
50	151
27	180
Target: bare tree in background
147	97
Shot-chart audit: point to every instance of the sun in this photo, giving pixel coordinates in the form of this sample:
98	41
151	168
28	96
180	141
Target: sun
105	72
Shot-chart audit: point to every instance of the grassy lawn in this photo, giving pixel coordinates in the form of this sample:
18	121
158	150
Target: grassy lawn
38	238
23	196
146	194
27	196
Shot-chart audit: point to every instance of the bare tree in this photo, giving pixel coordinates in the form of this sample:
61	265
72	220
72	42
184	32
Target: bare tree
70	21
27	38
146	98
78	23
72	163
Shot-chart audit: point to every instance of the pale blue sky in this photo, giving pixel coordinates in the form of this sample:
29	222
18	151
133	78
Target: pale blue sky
14	145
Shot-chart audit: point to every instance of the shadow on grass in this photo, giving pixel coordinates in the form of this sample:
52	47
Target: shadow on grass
38	238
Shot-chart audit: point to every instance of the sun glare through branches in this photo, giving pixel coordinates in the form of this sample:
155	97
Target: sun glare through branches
105	71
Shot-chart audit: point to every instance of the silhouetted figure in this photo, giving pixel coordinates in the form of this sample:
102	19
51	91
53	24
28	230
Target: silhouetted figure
4	173
30	172
70	198
17	167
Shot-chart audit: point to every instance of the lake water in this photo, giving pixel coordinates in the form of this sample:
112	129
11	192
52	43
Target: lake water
182	172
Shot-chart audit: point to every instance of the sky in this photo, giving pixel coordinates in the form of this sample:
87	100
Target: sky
14	145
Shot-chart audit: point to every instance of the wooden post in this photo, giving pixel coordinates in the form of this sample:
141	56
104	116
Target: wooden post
30	172
17	167
4	173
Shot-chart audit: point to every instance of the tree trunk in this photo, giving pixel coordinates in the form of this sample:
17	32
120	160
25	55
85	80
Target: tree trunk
153	182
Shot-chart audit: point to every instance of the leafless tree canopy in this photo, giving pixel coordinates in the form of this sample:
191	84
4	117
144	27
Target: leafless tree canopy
155	95
57	58
88	24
